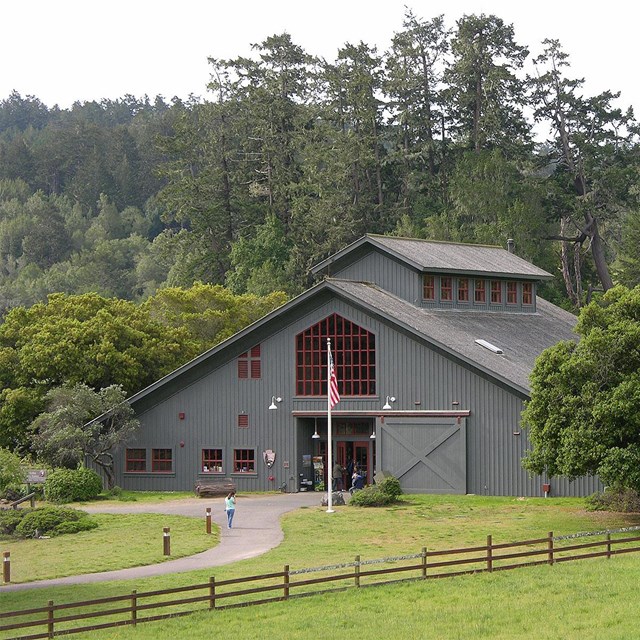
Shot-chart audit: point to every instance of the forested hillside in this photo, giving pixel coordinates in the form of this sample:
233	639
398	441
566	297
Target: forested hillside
291	157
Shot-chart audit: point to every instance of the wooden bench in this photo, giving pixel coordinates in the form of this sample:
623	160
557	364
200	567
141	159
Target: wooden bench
215	487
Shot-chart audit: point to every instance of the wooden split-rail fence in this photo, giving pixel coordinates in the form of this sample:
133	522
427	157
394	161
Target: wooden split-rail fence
132	608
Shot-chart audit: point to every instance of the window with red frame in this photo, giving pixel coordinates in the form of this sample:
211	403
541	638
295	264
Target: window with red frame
161	460
212	460
354	357
512	293
496	292
463	290
428	288
249	363
136	460
243	420
446	289
244	461
527	293
480	293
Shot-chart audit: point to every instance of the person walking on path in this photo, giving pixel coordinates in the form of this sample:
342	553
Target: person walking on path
230	507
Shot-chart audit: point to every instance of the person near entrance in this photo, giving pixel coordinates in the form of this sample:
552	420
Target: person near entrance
350	469
337	477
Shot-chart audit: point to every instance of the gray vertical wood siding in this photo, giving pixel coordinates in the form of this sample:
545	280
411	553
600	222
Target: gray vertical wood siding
420	377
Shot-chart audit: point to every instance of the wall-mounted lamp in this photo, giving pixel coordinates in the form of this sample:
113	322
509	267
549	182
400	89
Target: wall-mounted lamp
373	436
273	404
387	404
315	435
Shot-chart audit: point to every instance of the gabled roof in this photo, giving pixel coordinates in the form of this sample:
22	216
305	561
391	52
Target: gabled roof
522	337
437	257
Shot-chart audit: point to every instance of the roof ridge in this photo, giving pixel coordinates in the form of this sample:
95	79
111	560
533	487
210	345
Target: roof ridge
451	242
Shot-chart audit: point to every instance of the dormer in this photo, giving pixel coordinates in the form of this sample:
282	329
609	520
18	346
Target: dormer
440	275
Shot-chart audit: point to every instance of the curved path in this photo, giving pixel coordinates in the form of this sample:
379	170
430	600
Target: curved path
256	530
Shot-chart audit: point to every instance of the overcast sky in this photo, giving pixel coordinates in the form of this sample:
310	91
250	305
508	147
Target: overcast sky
64	51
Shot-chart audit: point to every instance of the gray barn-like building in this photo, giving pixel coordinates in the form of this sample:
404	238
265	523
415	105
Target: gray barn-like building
433	345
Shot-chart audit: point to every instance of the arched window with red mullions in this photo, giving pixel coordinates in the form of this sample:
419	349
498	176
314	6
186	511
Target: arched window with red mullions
354	357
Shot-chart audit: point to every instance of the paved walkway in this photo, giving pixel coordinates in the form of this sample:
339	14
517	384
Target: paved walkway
256	530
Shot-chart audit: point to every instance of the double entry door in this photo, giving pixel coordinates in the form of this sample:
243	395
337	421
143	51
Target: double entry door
352	455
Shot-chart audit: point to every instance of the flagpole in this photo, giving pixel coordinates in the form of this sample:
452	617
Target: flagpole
329	445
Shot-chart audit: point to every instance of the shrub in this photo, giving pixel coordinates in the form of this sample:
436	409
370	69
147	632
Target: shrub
371	496
12	492
48	520
84	524
621	500
69	485
11	470
9	520
391	486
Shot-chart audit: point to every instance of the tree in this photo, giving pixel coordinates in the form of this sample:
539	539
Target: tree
486	97
67	435
590	151
80	339
584	413
210	313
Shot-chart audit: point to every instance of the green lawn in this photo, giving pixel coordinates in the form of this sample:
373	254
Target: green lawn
586	599
120	541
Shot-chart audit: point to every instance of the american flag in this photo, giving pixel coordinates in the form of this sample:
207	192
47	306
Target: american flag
334	396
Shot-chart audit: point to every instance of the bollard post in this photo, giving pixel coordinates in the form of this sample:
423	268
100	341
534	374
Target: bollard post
6	567
424	563
166	539
208	519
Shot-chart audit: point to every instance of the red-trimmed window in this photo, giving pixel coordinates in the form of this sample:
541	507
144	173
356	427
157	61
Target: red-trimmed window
249	363
496	292
354	357
212	461
480	292
463	290
136	460
243	420
161	460
428	288
527	293
446	289
512	293
244	461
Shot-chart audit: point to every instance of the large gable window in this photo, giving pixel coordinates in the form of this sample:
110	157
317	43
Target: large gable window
354	356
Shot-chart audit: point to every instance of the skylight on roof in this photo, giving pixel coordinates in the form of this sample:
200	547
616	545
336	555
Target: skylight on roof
488	345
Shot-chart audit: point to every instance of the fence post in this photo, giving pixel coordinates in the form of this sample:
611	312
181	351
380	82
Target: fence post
489	554
208	519
550	547
50	619
6	567
608	546
212	593
424	563
356	570
166	541
286	582
134	607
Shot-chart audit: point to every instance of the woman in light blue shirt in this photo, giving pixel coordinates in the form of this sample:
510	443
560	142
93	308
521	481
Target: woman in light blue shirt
230	507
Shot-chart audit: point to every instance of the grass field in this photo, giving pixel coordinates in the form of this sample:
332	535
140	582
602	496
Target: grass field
586	599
